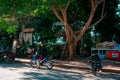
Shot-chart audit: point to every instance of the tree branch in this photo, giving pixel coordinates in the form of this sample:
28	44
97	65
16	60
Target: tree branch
98	21
56	13
67	26
64	11
97	2
102	15
87	23
77	32
103	8
68	3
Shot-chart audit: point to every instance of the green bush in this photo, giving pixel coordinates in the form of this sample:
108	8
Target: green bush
54	50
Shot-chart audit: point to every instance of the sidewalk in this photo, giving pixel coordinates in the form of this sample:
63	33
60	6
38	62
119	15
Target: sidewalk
108	65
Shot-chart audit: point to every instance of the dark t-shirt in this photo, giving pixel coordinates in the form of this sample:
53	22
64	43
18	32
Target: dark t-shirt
95	57
43	51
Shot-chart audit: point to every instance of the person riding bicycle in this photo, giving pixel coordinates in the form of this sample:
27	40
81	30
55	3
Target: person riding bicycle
42	54
94	57
43	51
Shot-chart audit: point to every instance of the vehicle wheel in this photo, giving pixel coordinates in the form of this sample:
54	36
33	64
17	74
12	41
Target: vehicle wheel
49	64
7	60
93	68
33	63
94	71
12	60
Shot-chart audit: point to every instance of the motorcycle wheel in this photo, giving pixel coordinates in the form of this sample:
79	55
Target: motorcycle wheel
33	63
93	68
49	64
93	71
6	60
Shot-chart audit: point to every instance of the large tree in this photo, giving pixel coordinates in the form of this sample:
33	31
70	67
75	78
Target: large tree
72	37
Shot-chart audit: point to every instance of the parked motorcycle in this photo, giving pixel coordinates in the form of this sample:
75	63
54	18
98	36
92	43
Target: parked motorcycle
12	58
7	56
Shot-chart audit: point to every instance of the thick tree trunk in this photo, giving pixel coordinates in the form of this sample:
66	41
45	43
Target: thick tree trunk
21	35
70	40
71	51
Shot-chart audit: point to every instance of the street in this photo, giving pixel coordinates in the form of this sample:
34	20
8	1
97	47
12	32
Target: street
19	71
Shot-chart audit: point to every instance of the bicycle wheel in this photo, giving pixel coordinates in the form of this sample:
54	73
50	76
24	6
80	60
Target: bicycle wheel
33	63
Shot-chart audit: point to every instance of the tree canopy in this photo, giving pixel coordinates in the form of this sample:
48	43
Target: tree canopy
107	28
77	16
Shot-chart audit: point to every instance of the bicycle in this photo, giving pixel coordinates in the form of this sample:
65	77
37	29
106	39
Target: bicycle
44	62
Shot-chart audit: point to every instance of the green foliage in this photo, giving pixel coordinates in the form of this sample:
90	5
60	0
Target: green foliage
17	7
54	50
78	13
7	27
55	2
42	28
42	10
12	29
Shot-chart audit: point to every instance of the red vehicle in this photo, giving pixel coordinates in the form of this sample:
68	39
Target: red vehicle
113	55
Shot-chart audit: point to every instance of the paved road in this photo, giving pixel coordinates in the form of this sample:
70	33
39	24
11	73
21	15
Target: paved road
19	71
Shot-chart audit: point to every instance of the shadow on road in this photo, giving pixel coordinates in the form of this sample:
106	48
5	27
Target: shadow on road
56	74
53	74
12	65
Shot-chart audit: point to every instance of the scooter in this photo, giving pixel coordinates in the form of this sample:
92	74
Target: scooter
44	62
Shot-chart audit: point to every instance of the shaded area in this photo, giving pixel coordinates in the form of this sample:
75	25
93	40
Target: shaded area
13	65
54	74
29	73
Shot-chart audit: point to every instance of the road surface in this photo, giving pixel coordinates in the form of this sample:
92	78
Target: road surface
19	71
